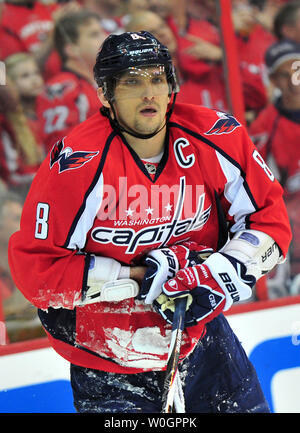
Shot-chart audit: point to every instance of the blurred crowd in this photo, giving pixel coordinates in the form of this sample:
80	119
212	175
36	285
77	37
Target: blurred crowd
47	54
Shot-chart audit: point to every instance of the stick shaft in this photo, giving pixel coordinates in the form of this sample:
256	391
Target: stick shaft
174	353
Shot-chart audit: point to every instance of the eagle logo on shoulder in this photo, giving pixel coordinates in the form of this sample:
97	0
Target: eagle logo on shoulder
224	125
67	159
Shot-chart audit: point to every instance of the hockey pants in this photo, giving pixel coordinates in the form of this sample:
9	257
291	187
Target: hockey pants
217	377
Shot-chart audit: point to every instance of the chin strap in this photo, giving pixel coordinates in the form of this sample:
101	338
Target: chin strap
121	129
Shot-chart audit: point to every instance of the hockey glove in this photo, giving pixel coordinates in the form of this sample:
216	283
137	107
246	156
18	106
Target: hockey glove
211	288
162	264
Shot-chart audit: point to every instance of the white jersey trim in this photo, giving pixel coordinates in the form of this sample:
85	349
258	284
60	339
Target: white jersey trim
236	194
86	220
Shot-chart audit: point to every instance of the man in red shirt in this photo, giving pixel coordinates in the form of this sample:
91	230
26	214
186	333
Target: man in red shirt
276	133
70	97
26	26
126	202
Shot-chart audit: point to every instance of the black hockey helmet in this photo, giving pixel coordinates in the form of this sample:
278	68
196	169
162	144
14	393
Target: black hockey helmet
131	49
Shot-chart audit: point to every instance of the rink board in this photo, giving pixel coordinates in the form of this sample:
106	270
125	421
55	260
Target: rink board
34	379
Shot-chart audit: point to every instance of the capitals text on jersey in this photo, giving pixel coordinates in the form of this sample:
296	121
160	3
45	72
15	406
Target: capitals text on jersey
158	234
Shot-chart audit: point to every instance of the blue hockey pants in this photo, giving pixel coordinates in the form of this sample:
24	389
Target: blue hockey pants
217	377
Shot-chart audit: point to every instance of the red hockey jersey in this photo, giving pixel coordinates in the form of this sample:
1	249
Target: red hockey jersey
93	195
24	27
67	100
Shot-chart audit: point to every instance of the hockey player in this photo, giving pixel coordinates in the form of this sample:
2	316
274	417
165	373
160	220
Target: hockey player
136	194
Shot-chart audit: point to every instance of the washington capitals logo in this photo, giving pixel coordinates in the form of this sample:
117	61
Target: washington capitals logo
67	159
225	125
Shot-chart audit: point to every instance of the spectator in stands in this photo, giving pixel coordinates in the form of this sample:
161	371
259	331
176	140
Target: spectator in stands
25	76
276	132
133	6
287	22
26	25
20	316
197	10
199	59
153	23
265	12
20	142
110	14
163	8
70	97
252	23
200	54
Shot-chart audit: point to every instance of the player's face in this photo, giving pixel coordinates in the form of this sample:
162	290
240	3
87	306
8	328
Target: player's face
141	99
27	79
91	36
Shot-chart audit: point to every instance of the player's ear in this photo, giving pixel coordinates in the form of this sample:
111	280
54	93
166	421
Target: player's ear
102	98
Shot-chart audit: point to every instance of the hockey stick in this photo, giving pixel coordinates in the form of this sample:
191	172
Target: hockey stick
172	373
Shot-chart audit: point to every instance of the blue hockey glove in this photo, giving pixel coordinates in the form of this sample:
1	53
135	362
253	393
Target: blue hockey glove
163	264
211	288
